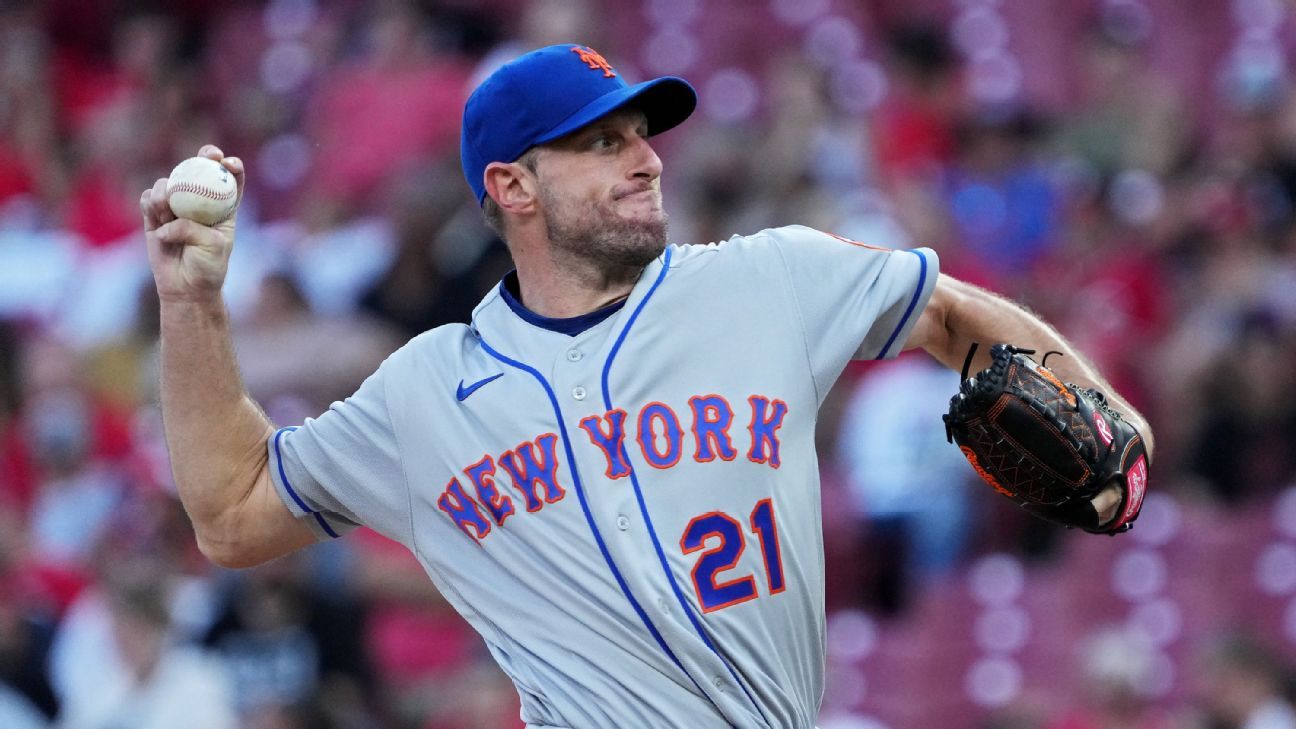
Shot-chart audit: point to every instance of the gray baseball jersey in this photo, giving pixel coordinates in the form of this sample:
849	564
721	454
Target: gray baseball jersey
626	507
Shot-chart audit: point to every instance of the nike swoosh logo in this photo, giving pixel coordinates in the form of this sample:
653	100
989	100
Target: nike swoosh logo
464	392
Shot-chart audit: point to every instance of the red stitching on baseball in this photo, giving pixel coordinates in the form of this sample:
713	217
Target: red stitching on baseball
202	190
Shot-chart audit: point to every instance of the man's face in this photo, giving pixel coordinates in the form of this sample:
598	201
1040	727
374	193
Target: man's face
600	188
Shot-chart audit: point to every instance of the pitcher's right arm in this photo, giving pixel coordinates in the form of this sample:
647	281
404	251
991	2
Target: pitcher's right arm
216	434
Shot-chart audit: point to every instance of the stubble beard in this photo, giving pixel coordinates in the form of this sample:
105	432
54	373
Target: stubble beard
595	235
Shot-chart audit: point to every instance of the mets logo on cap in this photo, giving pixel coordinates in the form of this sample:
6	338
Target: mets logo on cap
595	60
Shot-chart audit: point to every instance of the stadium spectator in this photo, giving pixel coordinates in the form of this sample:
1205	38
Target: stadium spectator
160	684
1116	667
912	491
1244	686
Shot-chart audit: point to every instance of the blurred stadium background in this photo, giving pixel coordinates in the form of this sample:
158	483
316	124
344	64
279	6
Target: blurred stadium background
1126	167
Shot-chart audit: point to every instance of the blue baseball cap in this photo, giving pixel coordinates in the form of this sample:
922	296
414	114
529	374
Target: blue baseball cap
545	94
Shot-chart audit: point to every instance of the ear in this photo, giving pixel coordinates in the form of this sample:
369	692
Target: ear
512	187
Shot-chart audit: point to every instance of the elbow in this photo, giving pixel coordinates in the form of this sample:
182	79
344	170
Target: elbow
247	529
228	526
223	551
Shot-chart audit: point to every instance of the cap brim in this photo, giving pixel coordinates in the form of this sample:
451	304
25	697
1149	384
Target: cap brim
666	101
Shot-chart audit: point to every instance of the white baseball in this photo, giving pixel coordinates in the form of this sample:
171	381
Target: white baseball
202	190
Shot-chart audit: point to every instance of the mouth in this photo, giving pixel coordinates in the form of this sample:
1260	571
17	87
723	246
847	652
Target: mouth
648	191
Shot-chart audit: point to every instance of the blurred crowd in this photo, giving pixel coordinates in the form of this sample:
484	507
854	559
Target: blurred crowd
1138	190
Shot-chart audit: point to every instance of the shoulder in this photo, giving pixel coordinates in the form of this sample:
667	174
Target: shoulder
447	337
771	238
763	237
435	349
761	243
789	248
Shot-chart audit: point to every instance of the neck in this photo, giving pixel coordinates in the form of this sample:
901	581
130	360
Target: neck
562	297
559	287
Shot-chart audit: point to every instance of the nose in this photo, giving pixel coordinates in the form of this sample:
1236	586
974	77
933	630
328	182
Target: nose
647	165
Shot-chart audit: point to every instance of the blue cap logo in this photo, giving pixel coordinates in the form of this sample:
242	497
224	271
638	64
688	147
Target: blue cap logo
551	92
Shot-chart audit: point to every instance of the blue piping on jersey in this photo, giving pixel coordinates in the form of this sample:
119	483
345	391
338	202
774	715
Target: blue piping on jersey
634	315
589	518
283	476
913	302
643	507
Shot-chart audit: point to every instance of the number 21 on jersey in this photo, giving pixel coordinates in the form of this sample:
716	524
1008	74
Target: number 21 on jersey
728	541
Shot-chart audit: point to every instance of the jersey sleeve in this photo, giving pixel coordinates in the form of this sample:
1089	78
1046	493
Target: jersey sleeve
856	301
343	469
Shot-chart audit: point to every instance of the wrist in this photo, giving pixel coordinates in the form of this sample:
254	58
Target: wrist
190	308
1107	503
194	298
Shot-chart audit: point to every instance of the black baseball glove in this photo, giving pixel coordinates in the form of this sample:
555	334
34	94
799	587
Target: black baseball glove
1050	447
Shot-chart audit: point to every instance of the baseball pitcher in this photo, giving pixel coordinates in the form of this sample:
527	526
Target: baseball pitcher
611	471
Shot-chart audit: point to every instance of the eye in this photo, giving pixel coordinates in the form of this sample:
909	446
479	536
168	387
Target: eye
603	140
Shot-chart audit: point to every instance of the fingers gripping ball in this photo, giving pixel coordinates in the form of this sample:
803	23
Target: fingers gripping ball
1048	446
202	190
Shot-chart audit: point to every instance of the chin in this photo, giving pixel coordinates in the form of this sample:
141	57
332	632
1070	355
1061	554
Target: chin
626	234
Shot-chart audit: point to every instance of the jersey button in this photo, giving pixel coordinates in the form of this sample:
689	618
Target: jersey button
623	523
578	392
718	682
574	355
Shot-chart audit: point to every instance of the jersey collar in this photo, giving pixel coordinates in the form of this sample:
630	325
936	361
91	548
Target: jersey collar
571	326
